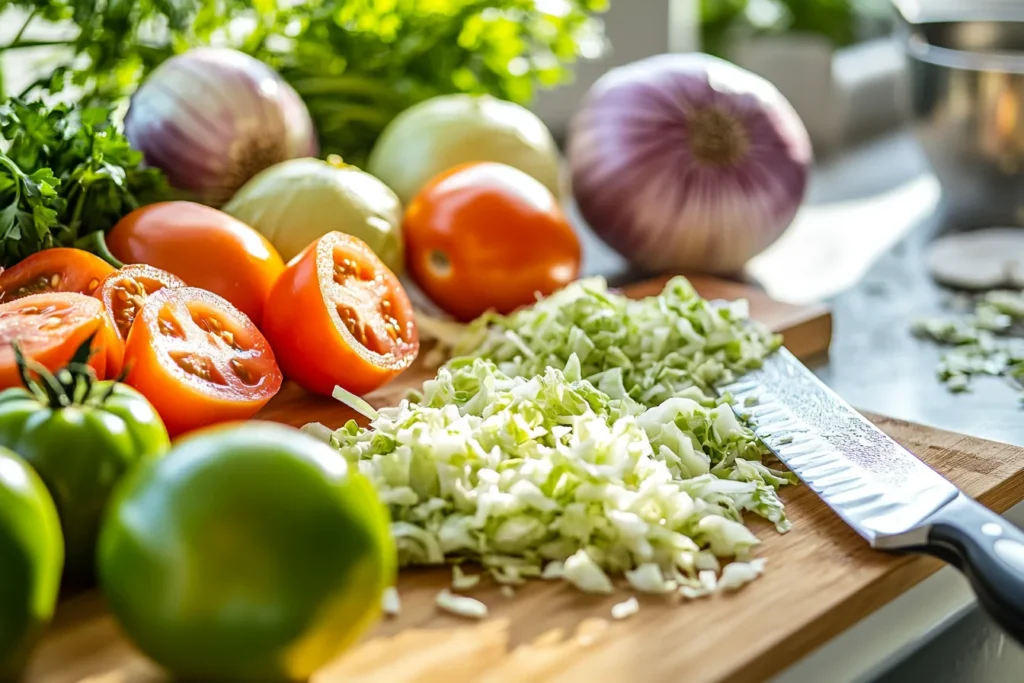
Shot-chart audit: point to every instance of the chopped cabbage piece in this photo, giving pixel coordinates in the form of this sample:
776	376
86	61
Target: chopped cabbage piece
982	342
462	581
626	608
581	571
390	604
735	575
647	578
354	402
461	605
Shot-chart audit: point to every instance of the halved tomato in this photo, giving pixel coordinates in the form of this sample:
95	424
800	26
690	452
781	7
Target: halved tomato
62	269
49	328
338	316
123	292
199	360
204	247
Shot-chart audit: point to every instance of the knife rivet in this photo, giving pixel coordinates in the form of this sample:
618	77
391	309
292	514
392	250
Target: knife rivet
991	529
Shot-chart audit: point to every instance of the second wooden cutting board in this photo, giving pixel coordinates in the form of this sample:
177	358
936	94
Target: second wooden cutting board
821	577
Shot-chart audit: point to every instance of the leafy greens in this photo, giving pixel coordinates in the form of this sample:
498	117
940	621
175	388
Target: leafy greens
67	175
356	63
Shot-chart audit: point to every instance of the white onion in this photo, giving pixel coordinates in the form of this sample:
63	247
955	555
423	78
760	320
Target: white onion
687	162
446	131
296	202
212	118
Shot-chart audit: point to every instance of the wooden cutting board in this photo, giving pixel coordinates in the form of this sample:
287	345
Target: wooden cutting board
821	578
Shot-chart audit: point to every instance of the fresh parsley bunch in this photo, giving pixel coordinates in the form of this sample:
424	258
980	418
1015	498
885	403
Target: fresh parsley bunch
67	176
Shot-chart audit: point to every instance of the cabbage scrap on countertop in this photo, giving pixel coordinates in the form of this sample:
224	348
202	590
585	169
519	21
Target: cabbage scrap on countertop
578	440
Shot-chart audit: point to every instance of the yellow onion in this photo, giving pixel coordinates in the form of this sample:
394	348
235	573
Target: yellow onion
296	202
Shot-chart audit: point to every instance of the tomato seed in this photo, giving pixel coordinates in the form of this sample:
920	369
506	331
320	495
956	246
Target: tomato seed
242	372
170	328
42	284
122	295
199	366
29	310
93	284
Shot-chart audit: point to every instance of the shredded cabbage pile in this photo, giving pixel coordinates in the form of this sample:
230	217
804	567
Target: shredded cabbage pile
578	440
552	477
650	349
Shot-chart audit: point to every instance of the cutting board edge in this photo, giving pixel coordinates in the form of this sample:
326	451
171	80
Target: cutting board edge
854	608
809	335
912	570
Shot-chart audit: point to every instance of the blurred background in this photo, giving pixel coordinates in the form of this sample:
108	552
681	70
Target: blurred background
914	108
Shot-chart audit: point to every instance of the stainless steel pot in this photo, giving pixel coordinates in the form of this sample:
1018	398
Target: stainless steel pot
966	66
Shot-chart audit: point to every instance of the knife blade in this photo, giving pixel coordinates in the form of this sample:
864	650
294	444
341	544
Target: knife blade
884	492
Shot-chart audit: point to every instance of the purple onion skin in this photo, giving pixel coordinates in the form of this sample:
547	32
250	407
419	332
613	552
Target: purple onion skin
685	162
212	118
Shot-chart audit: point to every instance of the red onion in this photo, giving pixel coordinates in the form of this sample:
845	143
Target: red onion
212	118
687	162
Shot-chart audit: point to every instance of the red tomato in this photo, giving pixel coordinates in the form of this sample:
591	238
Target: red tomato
123	293
199	360
54	270
339	317
50	327
488	236
204	247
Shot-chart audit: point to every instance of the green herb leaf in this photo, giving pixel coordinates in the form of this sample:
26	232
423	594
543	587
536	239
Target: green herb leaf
67	172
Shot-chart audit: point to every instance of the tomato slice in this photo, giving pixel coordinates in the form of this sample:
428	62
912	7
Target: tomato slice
338	317
50	328
199	360
62	269
124	291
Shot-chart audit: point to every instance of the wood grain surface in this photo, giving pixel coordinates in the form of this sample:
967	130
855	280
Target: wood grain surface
821	578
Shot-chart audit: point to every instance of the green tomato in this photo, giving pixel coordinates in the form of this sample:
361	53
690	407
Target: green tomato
31	558
249	553
80	451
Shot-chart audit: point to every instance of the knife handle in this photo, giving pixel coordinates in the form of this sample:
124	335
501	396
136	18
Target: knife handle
989	551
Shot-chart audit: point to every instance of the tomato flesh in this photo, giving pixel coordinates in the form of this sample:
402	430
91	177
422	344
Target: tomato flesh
124	292
339	317
50	328
199	360
54	270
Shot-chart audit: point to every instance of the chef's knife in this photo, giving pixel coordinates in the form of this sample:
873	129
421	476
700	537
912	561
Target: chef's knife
884	492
